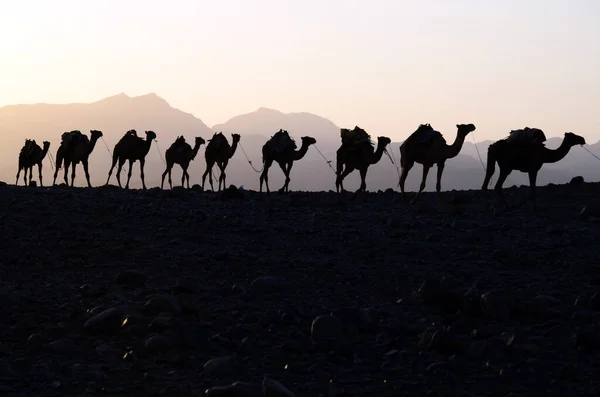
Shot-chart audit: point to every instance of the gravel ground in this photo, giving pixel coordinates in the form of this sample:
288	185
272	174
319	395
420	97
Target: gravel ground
105	292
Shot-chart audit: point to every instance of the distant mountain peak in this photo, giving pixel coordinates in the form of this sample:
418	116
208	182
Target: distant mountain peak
267	110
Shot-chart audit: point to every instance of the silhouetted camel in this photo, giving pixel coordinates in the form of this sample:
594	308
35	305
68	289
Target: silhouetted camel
75	148
427	146
359	157
219	151
525	156
180	152
131	148
32	154
281	149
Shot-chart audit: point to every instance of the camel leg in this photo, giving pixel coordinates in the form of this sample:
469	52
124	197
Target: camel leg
440	171
57	166
142	163
167	171
27	169
339	169
209	167
532	185
264	176
86	170
423	181
222	177
18	175
129	174
363	179
40	166
119	168
187	176
66	173
112	167
73	167
532	195
287	176
363	182
342	176
404	175
504	173
288	179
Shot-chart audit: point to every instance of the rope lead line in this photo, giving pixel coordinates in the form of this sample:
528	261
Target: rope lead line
248	160
325	158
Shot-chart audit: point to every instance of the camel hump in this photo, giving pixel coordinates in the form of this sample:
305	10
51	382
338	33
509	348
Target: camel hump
354	137
526	135
281	141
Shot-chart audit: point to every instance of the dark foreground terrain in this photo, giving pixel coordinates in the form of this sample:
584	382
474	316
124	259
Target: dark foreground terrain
112	293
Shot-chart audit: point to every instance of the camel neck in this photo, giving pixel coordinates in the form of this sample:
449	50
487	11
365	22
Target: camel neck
378	153
234	145
555	155
454	149
299	154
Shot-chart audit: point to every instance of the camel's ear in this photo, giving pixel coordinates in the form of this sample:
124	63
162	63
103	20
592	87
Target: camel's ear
457	125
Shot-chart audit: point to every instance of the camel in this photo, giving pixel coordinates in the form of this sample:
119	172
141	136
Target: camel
427	146
180	153
281	149
528	157
358	156
32	154
219	151
131	148
75	148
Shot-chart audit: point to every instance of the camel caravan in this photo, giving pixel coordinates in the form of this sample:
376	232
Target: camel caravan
522	150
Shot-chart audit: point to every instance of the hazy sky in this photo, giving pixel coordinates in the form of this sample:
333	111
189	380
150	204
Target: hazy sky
386	65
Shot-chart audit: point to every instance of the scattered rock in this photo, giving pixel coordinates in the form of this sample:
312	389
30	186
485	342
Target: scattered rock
220	365
157	304
326	331
107	321
236	389
272	388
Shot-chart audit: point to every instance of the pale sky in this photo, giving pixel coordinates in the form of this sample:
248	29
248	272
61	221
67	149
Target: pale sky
386	65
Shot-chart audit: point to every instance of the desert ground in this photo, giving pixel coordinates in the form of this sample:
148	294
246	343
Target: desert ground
106	292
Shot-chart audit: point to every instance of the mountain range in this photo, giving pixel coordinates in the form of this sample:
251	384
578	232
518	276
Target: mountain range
116	114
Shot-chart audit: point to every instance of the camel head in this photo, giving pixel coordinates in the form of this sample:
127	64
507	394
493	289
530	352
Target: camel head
46	145
574	139
235	137
465	129
308	140
199	141
150	135
96	134
383	141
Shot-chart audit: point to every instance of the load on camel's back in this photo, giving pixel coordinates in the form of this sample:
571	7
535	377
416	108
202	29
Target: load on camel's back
425	135
354	137
70	138
216	141
281	141
180	145
27	148
526	135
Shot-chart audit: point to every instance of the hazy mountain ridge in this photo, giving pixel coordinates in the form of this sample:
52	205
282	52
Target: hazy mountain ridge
116	114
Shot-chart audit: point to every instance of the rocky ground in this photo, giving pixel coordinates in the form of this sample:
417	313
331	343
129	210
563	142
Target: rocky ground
181	293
